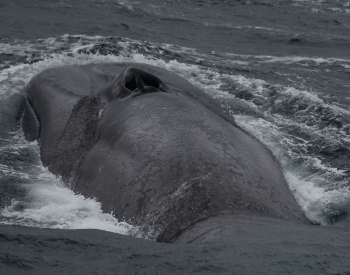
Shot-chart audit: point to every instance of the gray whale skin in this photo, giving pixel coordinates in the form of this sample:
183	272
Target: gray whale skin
156	151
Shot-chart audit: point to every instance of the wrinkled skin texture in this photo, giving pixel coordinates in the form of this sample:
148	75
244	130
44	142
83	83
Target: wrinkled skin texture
154	150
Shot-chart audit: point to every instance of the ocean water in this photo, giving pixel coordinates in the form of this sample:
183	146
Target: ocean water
281	68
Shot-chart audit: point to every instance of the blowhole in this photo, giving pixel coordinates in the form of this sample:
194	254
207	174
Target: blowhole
150	82
131	84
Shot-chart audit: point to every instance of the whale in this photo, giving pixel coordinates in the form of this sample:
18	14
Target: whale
155	151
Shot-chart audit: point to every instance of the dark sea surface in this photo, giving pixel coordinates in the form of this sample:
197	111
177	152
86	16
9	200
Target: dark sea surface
281	68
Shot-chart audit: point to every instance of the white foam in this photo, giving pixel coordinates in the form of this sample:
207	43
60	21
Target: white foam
307	188
315	200
85	47
259	87
50	204
257	28
297	59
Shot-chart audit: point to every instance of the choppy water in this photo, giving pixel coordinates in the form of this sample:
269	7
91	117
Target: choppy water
281	68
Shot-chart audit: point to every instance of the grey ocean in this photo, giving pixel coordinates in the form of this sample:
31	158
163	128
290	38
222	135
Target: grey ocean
281	68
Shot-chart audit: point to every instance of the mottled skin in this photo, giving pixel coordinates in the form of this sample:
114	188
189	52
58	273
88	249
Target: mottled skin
154	150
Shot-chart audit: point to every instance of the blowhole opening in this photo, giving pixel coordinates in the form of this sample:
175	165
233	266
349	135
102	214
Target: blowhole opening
131	84
150	82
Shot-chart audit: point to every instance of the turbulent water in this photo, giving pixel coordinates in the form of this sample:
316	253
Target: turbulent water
281	68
